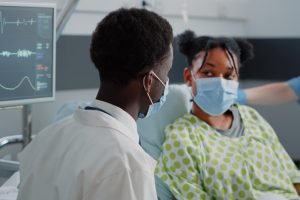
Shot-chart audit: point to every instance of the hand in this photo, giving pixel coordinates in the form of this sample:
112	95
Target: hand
242	97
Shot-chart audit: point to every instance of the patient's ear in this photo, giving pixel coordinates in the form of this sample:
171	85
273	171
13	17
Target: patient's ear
187	76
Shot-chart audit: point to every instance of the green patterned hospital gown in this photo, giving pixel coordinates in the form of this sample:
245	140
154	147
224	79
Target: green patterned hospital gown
197	162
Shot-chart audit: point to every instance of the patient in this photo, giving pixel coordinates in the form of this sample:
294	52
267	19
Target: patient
222	150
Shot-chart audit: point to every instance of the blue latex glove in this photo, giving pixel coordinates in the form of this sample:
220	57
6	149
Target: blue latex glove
294	83
242	99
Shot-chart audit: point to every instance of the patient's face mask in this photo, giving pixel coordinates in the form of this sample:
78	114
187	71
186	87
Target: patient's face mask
156	106
215	95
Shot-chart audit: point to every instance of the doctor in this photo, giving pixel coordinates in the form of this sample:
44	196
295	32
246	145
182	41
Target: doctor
95	153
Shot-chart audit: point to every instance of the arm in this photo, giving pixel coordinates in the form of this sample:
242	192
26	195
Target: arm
288	164
286	161
179	162
271	94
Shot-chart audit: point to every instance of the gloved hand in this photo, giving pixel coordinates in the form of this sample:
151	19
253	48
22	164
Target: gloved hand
242	98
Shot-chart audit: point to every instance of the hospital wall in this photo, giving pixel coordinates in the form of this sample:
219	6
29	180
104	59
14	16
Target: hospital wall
255	19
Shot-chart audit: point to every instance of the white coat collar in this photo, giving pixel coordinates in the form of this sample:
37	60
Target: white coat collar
117	113
117	117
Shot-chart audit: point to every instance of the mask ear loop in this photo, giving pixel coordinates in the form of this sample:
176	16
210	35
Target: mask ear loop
147	91
164	84
159	79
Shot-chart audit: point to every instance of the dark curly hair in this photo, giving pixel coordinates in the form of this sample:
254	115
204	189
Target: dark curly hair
190	45
128	42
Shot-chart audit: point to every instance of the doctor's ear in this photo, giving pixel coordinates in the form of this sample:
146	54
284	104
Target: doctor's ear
148	81
187	76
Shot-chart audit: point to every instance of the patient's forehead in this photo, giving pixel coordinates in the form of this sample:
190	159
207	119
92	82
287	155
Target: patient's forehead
216	56
198	61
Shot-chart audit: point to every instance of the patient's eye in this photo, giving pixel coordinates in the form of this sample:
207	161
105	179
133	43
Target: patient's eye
230	76
207	73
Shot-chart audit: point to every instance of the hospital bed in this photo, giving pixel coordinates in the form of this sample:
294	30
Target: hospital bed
150	129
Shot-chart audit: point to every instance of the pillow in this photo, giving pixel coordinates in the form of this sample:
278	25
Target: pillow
151	129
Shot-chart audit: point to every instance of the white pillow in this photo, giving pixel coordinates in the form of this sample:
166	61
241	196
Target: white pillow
151	129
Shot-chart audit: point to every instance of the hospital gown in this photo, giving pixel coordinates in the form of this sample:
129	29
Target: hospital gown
198	162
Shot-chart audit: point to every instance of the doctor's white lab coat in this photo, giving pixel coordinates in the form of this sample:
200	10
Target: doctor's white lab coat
88	156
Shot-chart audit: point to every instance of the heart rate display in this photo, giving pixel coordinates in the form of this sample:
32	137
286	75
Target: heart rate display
20	53
27	49
26	78
18	22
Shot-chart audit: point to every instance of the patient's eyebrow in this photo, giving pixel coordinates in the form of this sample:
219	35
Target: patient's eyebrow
209	64
213	65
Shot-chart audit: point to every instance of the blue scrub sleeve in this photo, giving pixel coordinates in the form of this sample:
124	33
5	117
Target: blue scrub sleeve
294	83
242	99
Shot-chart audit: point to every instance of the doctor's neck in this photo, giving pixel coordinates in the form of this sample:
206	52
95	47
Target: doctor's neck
124	97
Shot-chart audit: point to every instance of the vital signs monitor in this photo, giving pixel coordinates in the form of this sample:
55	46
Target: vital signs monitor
27	53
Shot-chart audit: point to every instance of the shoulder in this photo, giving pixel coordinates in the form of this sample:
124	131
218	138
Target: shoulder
185	132
183	124
254	121
251	116
249	113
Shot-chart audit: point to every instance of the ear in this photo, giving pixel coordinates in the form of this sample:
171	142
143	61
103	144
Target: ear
148	81
187	76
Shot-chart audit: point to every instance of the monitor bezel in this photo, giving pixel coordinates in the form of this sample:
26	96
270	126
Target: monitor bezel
10	103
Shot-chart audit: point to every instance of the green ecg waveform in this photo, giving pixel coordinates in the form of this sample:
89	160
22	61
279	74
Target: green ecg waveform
21	53
18	85
18	22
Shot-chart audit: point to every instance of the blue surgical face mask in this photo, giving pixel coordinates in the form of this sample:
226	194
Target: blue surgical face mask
215	95
156	106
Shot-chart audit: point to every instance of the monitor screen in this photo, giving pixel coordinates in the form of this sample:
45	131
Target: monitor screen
27	53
